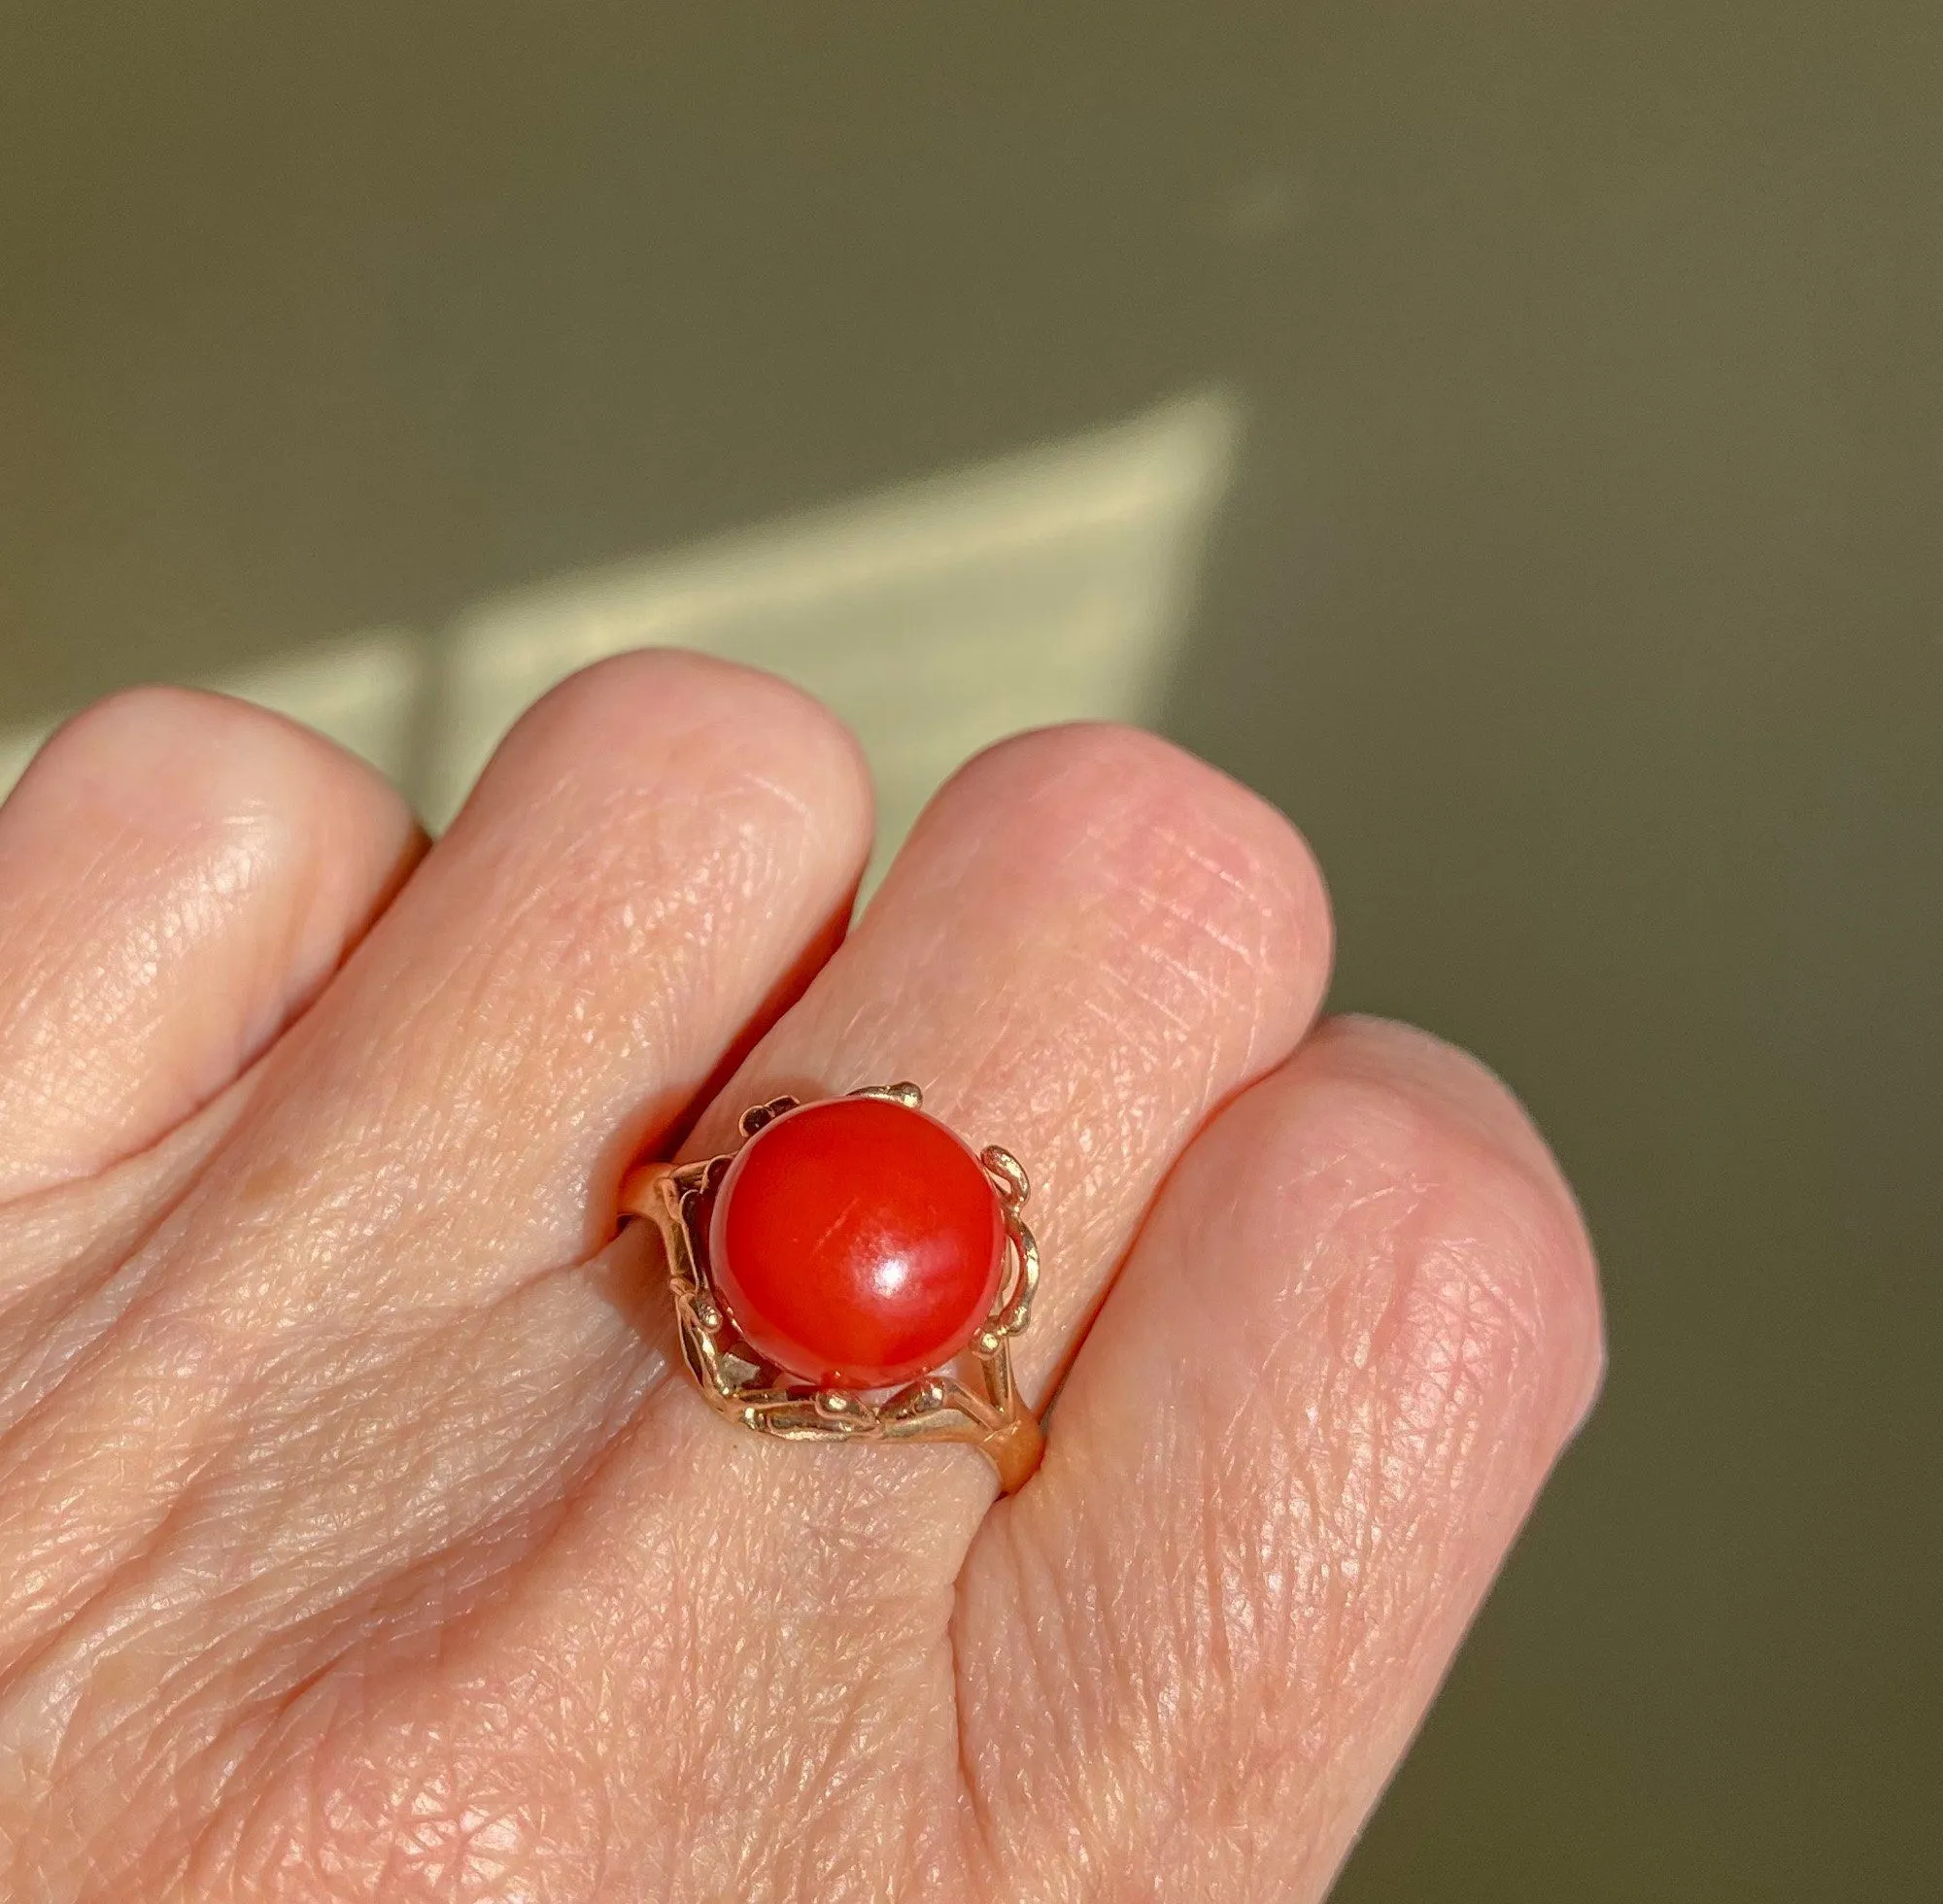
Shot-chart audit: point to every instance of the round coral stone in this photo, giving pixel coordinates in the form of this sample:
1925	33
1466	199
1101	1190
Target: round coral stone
856	1242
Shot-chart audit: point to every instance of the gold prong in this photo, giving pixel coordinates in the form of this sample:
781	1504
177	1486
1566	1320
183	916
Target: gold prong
1016	1313
1014	1186
905	1093
757	1115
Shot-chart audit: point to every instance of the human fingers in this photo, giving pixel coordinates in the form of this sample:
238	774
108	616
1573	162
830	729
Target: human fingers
653	849
1358	1330
1089	943
343	1359
658	852
178	874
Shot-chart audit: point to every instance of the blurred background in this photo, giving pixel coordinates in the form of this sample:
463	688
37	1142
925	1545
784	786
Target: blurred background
1510	436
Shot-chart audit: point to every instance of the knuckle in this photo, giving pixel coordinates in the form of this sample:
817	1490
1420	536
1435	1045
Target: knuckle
1492	1229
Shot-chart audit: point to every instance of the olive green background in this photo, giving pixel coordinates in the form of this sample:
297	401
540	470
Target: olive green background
1577	590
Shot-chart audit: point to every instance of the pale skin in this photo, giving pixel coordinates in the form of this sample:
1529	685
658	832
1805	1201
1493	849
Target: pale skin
360	1536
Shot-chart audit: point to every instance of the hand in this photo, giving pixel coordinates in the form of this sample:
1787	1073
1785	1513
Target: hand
359	1537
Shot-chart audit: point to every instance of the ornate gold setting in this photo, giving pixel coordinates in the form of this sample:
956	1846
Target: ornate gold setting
981	1408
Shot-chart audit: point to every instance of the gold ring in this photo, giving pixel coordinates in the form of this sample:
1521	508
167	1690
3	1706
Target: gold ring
853	1271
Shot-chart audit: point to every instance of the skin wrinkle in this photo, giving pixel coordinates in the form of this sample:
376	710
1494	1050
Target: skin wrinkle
976	1839
59	1316
56	1712
40	1430
93	866
93	1652
44	1021
408	1589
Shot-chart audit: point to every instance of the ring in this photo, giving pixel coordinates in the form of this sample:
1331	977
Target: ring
853	1271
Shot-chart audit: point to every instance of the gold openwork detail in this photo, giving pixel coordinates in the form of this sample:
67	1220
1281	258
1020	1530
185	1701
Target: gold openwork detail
974	1401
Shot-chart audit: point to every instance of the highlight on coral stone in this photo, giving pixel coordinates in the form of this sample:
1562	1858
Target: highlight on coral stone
856	1242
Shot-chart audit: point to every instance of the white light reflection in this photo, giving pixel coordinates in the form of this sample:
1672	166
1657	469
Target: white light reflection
934	617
